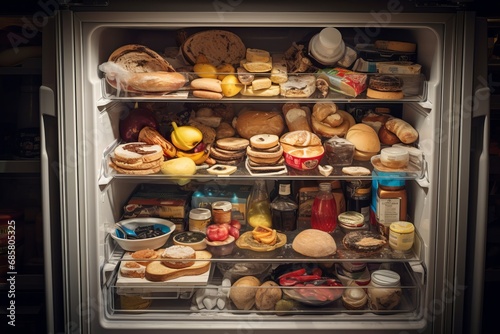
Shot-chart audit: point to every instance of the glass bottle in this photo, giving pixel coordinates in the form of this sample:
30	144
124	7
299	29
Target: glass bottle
284	209
324	209
258	206
391	201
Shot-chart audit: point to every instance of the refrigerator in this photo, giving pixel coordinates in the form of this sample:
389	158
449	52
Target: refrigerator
441	282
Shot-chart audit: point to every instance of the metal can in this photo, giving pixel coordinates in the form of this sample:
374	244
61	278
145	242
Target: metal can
401	236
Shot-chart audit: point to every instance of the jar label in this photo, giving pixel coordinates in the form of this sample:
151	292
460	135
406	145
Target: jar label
388	210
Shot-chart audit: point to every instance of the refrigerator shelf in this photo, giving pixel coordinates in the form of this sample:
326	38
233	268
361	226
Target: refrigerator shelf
414	90
286	253
413	172
182	299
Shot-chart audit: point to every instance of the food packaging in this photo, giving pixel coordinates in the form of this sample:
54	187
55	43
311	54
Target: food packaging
339	151
344	81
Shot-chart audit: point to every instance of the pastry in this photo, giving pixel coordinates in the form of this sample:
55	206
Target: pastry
132	269
144	256
364	241
385	86
178	257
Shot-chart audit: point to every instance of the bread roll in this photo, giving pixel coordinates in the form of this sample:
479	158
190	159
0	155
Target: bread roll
387	137
300	138
210	84
243	291
314	243
249	123
405	132
366	141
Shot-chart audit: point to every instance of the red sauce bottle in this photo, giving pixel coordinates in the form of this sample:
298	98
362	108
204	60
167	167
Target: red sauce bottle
324	209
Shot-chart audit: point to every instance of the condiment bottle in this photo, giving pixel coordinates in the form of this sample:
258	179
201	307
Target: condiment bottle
258	206
358	197
391	201
324	209
284	209
384	291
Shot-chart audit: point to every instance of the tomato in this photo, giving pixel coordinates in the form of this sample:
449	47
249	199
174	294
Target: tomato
217	232
236	224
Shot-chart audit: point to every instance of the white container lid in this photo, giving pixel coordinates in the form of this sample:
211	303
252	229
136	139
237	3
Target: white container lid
327	47
222	205
200	214
385	277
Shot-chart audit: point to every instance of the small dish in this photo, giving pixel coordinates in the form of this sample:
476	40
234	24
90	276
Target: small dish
193	239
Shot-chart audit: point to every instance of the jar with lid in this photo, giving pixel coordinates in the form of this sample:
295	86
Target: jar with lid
391	201
258	206
199	218
384	291
401	236
284	209
324	209
221	212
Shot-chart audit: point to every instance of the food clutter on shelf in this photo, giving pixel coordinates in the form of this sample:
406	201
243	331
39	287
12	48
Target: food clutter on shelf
307	132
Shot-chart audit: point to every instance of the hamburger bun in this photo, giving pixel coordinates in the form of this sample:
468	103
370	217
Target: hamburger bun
314	243
365	140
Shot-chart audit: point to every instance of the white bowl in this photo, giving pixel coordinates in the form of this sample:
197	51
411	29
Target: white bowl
138	244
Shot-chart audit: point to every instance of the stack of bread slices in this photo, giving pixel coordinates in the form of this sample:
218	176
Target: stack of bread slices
137	158
229	151
265	154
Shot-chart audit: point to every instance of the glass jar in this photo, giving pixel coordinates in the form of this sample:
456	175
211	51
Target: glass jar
384	291
199	219
391	201
324	209
401	236
221	212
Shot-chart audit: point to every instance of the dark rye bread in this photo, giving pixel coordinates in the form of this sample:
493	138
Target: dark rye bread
219	46
138	58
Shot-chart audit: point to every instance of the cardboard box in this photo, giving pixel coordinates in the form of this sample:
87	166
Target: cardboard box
206	194
160	201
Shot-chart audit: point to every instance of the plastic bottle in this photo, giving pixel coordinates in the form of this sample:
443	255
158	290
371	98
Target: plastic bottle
258	206
284	209
324	209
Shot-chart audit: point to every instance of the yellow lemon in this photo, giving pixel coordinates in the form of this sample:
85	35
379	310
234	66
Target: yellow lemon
204	70
231	85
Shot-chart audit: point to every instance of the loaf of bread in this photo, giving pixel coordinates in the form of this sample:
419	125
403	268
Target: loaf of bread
297	119
250	122
218	46
314	243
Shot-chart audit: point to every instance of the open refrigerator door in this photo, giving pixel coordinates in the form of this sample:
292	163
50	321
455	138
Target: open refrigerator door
99	298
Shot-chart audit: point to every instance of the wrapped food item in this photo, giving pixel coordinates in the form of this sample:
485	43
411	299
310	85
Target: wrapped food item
344	81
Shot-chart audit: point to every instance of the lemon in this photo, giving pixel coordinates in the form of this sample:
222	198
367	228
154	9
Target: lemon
204	70
231	85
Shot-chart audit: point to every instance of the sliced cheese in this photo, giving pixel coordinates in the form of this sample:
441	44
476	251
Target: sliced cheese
274	90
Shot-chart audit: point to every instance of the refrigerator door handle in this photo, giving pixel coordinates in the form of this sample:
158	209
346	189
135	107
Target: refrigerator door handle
482	104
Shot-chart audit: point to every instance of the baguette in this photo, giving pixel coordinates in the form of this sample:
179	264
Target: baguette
405	132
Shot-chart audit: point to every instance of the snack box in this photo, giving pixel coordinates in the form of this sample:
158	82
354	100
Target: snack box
205	195
161	201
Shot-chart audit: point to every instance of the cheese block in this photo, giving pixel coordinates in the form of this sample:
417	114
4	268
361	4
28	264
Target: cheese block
274	90
257	55
158	272
257	66
279	70
261	83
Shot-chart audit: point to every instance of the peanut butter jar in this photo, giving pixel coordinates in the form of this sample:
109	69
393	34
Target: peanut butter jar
221	212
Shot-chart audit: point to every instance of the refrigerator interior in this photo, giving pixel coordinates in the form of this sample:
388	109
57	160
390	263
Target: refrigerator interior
101	197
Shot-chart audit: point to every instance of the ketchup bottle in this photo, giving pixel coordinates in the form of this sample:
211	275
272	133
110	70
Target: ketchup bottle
324	209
